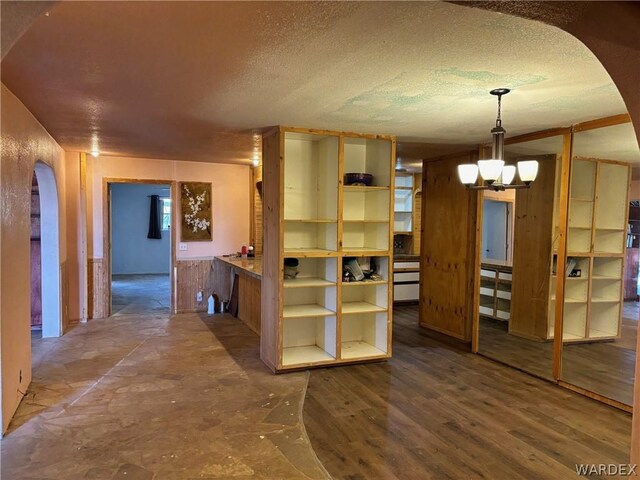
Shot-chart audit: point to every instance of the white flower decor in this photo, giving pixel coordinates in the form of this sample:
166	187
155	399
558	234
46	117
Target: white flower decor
195	219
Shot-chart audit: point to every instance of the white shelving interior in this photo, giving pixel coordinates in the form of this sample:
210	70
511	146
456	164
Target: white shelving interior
403	180
309	302
579	240
575	321
363	155
608	241
402	222
580	213
365	205
612	197
310	177
364	335
314	272
308	236
365	237
308	340
604	267
605	320
606	290
583	180
310	192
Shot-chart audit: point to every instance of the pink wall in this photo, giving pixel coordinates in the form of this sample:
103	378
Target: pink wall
24	141
230	199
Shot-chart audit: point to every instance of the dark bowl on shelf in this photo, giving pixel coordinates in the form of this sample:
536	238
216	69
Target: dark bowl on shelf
365	179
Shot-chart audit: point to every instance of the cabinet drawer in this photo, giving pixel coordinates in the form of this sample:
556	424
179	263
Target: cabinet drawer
410	291
415	265
406	277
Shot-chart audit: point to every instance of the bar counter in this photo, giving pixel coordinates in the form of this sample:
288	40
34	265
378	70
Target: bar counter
248	273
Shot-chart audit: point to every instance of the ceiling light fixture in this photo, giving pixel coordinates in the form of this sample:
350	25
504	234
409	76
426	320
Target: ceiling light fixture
95	153
494	173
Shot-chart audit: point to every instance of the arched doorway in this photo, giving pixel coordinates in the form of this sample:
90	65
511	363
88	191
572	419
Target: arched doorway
49	250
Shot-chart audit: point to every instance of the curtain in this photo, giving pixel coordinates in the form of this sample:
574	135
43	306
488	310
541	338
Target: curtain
154	218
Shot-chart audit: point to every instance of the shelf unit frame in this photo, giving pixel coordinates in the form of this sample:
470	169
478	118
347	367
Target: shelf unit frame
272	349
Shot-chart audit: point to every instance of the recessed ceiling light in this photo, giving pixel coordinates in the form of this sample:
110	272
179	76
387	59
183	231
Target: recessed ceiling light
95	153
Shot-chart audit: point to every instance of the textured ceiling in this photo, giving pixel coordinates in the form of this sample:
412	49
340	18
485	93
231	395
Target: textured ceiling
617	142
194	81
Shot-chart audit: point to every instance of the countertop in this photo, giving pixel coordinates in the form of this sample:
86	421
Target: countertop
252	266
496	263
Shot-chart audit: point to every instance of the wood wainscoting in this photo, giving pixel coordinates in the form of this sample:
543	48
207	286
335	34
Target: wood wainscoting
447	260
97	289
193	275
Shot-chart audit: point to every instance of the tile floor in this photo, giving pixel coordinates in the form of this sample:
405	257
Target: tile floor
148	397
138	294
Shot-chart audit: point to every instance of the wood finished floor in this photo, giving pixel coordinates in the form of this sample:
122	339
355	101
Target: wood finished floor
606	368
434	411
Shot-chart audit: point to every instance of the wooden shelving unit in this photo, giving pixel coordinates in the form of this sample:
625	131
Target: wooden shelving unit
316	319
495	291
596	239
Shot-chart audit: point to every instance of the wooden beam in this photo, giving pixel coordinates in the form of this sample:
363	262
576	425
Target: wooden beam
561	266
602	122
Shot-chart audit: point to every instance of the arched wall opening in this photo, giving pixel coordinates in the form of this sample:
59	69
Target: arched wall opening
50	251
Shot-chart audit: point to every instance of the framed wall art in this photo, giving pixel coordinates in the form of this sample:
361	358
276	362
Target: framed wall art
195	212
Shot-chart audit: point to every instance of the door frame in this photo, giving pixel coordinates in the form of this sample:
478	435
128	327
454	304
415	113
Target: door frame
106	225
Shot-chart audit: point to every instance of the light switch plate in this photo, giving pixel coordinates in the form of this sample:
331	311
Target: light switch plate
183	247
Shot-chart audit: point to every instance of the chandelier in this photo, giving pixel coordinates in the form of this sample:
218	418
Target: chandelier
495	175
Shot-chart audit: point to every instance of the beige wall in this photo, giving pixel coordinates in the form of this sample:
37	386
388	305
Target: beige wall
24	141
230	199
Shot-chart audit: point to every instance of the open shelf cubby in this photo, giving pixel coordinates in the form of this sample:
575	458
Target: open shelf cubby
368	155
575	321
308	340
364	335
579	240
309	236
580	214
309	302
402	222
365	237
583	180
606	267
605	320
365	204
611	209
404	180
403	201
608	241
311	177
366	298
314	272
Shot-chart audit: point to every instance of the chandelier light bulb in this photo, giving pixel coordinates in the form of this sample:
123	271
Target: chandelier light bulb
468	173
528	171
490	170
508	174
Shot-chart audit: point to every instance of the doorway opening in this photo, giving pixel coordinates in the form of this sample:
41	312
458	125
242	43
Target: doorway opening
46	312
497	229
141	243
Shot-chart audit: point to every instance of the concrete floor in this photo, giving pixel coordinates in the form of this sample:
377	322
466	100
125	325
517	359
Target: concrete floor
148	397
138	294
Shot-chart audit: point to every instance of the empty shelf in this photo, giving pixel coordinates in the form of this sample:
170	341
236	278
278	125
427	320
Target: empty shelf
361	188
300	311
309	252
363	252
307	282
310	220
605	300
306	354
359	349
361	307
364	282
593	333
